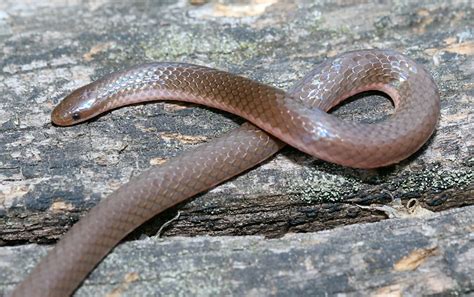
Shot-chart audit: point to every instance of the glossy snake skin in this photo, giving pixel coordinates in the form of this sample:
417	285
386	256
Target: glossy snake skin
297	117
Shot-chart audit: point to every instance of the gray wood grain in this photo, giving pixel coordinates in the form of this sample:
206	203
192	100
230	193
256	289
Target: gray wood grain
431	256
50	176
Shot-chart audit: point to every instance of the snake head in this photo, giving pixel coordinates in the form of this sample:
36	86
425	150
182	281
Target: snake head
77	107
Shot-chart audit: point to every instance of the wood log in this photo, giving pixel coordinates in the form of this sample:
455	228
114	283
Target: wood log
430	256
51	176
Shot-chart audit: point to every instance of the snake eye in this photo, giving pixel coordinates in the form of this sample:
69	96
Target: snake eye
76	116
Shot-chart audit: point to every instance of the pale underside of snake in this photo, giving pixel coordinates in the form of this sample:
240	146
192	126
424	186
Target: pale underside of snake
297	117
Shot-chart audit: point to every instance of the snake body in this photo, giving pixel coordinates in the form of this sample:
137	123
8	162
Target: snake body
298	117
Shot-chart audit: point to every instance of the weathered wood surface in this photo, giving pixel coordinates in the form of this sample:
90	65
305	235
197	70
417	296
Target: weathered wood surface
50	176
411	257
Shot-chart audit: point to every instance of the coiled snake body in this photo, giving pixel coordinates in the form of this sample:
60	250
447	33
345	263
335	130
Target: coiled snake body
297	117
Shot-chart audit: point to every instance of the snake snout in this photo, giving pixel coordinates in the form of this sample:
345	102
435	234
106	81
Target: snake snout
77	107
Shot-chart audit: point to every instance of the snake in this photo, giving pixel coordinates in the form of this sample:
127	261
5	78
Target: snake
274	118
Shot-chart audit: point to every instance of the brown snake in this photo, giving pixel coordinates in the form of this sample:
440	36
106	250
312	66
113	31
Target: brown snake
297	117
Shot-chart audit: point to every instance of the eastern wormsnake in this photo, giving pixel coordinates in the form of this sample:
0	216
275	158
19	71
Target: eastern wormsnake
297	117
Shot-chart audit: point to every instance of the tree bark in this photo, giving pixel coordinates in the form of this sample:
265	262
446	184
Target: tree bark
50	176
430	256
